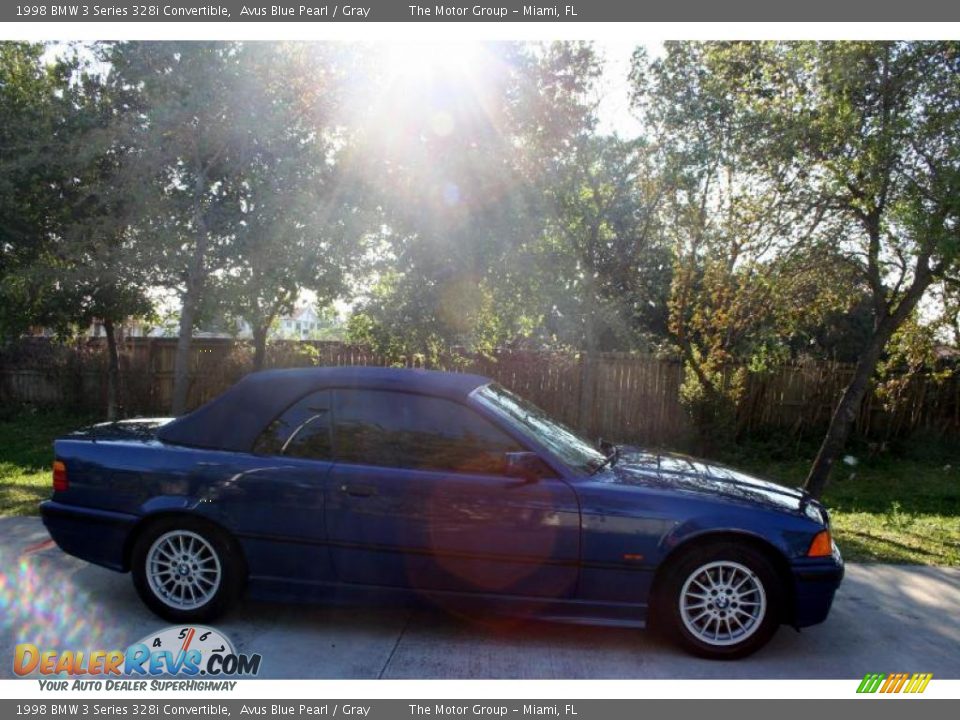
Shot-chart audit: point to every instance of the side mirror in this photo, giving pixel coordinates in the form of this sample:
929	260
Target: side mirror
525	465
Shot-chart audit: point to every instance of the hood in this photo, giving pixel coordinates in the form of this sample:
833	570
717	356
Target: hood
639	467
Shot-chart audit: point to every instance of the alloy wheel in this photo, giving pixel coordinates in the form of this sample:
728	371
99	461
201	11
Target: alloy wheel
183	570
722	603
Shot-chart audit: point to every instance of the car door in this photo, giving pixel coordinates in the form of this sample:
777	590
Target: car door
418	499
276	503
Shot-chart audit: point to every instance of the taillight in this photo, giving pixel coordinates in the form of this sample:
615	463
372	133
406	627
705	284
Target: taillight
60	482
822	545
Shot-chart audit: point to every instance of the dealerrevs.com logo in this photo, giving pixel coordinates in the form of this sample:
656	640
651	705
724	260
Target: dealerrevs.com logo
179	651
894	683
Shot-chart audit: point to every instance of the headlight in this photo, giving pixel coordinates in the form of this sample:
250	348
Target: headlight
815	513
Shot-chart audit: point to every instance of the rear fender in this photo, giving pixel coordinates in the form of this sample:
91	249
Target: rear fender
168	503
164	507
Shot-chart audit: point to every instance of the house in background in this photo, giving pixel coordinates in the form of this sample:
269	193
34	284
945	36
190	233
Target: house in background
304	323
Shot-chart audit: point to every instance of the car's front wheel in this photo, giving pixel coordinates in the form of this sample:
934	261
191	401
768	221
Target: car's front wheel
185	570
722	601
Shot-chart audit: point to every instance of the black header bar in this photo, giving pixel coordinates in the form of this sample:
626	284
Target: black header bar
741	11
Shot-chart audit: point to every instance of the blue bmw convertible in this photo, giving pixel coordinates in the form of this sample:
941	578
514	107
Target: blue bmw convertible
357	485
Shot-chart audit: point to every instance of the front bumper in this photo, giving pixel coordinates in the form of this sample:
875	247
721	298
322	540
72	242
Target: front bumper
815	582
97	536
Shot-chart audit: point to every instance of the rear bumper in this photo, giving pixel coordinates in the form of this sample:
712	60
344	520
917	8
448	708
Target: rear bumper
97	536
814	588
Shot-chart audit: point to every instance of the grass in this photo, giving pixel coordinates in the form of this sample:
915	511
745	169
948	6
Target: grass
898	509
26	453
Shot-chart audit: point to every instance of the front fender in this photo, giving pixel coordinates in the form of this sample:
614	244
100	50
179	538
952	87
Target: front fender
699	528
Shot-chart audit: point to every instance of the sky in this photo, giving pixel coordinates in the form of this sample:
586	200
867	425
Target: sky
614	110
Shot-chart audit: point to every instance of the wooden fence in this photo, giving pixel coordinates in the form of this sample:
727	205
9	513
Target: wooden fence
636	398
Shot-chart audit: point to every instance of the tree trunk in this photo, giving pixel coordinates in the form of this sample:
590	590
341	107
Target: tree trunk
195	282
113	370
846	412
588	373
259	347
844	417
181	362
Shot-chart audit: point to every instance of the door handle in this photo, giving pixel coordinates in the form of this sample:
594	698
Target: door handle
359	490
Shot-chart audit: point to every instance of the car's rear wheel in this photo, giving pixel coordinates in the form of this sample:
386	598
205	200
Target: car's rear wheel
721	601
185	570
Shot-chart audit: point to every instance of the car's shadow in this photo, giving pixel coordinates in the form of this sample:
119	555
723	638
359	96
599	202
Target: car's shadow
883	618
431	643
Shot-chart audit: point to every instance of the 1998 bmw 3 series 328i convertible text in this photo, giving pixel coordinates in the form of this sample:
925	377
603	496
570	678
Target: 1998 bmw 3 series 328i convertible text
358	484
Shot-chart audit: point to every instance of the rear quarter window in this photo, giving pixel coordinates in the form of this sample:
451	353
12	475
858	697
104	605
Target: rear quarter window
302	430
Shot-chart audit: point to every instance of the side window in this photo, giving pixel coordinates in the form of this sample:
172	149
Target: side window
303	430
394	429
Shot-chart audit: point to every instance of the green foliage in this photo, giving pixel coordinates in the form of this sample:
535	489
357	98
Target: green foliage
77	258
911	356
737	233
460	201
602	258
190	130
26	439
786	200
422	323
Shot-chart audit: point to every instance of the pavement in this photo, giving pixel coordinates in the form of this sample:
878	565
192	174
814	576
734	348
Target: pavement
886	618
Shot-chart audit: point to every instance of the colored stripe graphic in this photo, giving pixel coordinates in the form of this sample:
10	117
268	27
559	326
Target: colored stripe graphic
919	684
871	682
894	682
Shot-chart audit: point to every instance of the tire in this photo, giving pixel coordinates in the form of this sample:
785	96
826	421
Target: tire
185	570
721	601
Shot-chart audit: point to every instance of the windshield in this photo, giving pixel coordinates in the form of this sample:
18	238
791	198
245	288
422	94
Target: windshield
560	440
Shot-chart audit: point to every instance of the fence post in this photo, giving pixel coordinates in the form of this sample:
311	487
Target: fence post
587	391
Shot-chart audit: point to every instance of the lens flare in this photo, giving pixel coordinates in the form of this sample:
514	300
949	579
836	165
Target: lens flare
442	123
451	193
43	605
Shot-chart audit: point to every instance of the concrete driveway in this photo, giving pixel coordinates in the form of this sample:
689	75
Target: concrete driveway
886	618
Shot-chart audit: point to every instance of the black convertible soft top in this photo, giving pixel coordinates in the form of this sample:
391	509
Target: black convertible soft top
234	420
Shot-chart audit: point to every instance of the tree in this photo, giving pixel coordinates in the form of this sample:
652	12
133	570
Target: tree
858	139
602	252
461	168
30	112
100	267
183	98
302	221
873	128
605	270
736	231
949	294
217	178
79	261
